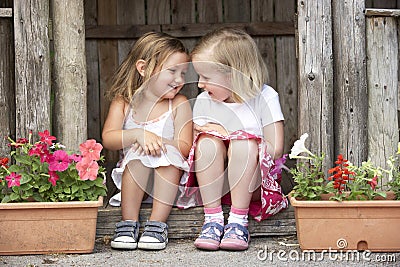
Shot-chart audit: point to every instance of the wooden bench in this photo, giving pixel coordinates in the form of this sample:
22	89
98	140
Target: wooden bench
187	223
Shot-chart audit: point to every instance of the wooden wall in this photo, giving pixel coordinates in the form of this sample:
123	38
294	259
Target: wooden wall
113	25
348	78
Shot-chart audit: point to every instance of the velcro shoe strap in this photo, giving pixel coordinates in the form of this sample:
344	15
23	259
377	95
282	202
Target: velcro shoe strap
153	229
124	229
160	225
127	224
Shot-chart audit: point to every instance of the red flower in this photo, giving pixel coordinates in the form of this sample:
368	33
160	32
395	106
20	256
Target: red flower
3	162
374	182
45	137
341	175
87	169
59	161
91	149
13	179
53	178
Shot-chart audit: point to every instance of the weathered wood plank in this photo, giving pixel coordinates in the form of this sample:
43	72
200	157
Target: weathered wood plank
158	12
179	8
186	30
5	12
7	105
108	63
384	3
32	66
129	13
183	11
210	11
286	69
316	75
350	100
92	69
263	11
237	10
187	223
382	67
69	73
369	12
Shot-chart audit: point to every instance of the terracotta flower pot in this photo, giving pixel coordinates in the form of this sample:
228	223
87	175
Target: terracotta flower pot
48	227
348	225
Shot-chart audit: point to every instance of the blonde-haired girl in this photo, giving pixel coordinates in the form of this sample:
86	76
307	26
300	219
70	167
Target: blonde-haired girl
240	132
151	122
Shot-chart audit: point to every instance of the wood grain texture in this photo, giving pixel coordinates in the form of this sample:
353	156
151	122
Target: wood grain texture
32	66
187	223
92	66
7	97
315	92
350	87
69	75
382	73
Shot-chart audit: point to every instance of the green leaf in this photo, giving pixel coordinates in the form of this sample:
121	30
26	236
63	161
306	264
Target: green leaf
44	187
14	196
74	189
23	159
6	199
25	178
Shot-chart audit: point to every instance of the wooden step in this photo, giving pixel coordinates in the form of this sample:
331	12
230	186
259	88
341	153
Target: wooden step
187	223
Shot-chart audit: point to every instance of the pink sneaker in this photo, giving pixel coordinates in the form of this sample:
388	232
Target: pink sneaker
236	237
210	236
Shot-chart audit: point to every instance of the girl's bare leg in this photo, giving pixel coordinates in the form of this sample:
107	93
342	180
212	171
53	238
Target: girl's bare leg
166	181
134	182
243	171
210	157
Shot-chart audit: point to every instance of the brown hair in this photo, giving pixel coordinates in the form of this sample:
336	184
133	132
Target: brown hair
154	48
235	49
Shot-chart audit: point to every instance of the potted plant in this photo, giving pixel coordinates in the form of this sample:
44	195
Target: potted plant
348	209
49	197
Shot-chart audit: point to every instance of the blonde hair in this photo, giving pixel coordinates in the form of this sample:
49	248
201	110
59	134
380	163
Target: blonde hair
235	49
154	48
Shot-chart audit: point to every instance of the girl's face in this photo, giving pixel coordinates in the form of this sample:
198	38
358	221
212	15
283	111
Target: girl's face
212	80
169	80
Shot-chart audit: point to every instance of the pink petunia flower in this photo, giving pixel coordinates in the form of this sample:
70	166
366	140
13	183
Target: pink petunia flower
45	137
75	158
91	149
45	156
279	165
59	161
37	149
87	169
53	178
13	179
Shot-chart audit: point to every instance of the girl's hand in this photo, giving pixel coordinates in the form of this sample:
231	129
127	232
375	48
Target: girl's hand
150	144
211	127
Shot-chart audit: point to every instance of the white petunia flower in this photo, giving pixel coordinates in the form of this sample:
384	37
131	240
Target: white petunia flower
299	147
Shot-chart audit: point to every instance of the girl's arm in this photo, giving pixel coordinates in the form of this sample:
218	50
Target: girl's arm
183	125
211	127
274	138
114	138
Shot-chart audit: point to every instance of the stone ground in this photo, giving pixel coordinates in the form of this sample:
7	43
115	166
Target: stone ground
263	251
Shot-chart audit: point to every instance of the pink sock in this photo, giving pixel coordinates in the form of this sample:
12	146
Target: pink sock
238	216
214	215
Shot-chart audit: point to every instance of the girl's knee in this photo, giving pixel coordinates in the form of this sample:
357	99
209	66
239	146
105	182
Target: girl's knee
243	149
209	145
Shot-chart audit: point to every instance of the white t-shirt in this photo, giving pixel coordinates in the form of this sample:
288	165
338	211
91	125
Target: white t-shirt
250	116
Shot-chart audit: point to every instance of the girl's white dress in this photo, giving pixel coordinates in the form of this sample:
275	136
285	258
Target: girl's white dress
162	126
